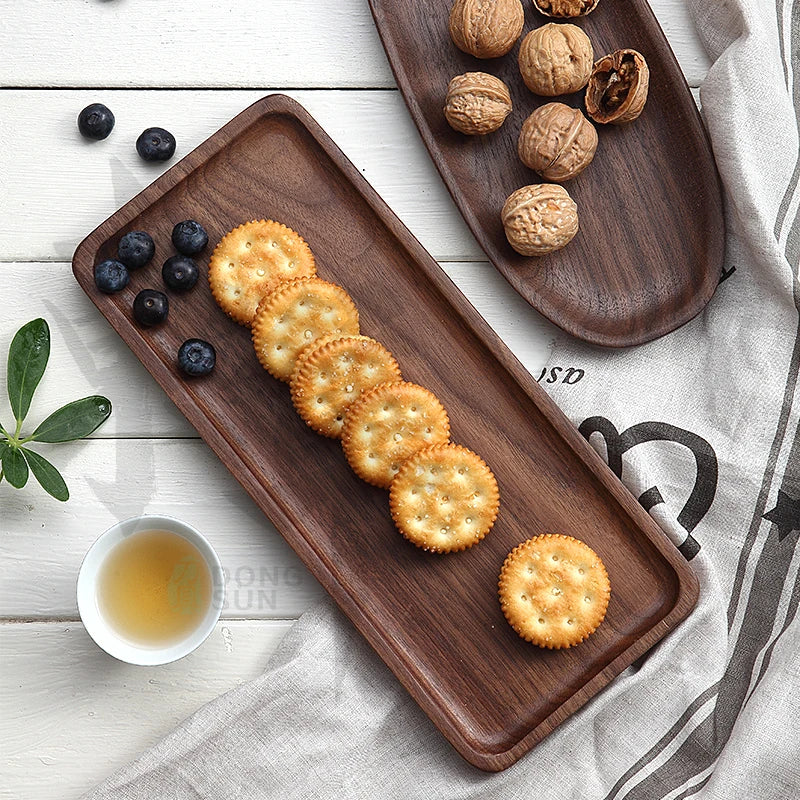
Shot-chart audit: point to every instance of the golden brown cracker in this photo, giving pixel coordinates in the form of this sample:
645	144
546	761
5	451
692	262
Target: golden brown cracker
444	498
296	314
554	590
251	260
332	373
387	425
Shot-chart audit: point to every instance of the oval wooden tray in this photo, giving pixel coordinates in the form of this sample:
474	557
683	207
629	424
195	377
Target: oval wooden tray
435	620
649	252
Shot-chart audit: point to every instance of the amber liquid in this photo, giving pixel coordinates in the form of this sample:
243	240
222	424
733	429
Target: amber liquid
154	588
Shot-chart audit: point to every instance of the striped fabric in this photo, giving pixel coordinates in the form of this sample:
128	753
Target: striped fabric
703	426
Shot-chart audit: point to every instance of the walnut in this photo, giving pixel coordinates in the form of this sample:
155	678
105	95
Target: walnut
555	59
486	28
617	88
565	8
477	103
557	141
539	219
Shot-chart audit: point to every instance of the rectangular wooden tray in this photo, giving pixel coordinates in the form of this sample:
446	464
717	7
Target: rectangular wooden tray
435	620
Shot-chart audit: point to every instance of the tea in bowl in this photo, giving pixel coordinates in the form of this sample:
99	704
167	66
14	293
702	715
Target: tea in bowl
150	590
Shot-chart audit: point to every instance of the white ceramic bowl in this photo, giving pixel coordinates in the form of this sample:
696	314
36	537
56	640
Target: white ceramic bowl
103	634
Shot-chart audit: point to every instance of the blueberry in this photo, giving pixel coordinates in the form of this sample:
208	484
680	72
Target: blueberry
180	273
189	237
111	276
197	357
150	307
95	121
136	249
155	144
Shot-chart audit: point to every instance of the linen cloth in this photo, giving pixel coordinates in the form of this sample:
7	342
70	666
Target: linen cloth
702	426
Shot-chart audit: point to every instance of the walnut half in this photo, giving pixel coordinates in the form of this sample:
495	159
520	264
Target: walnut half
477	103
486	28
565	8
617	89
539	219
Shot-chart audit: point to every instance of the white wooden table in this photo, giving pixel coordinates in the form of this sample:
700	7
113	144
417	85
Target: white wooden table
70	714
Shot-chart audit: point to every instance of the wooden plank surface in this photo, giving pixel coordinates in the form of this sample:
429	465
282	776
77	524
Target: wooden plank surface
72	715
89	358
285	43
62	186
111	480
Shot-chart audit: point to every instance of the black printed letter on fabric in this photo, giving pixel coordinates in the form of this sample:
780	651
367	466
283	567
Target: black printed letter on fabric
705	485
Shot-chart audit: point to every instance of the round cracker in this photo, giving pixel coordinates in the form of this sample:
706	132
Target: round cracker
554	590
296	314
444	498
330	374
251	260
387	425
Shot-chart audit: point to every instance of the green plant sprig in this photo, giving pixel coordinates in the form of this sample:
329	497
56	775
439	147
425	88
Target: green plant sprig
27	361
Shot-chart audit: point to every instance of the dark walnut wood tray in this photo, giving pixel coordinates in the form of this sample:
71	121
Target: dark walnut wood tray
435	620
649	252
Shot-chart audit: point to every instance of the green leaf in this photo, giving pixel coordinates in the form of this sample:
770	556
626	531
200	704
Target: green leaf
47	475
15	467
74	420
27	359
3	448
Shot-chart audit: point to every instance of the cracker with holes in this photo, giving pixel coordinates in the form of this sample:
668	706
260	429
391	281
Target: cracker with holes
332	373
295	315
554	590
251	260
444	498
387	425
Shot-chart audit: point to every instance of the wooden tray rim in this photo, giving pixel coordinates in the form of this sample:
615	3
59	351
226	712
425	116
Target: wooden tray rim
245	469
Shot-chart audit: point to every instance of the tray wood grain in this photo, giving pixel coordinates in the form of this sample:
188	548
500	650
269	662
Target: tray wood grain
649	252
435	620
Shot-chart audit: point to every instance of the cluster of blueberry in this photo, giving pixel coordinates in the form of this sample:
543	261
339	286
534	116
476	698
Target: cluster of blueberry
154	144
180	273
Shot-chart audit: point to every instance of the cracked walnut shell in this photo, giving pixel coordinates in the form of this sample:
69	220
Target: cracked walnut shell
617	89
477	103
556	59
486	28
539	219
565	8
557	141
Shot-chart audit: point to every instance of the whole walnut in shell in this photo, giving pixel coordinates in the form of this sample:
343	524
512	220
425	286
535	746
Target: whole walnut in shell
486	28
477	103
565	8
539	219
557	141
555	59
617	89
